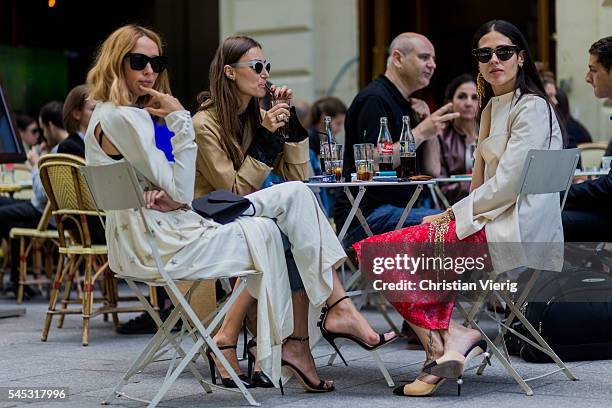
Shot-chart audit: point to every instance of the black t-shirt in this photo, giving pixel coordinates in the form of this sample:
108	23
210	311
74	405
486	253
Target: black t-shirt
577	132
361	125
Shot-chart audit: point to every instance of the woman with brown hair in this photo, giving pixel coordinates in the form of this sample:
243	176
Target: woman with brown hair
77	112
238	145
238	142
458	139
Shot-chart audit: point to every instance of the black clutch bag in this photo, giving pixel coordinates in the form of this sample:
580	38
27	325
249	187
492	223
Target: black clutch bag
222	206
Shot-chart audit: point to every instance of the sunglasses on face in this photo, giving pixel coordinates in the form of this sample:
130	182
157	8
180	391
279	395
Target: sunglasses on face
256	65
503	52
138	62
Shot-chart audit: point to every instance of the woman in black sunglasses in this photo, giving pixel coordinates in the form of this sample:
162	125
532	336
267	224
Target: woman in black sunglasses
29	131
516	116
194	247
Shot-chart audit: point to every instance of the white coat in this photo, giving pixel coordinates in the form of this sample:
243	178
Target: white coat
194	247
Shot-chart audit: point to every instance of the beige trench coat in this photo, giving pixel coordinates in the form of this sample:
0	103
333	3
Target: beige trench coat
215	170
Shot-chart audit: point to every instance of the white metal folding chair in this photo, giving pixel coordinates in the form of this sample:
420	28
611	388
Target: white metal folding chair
544	172
120	178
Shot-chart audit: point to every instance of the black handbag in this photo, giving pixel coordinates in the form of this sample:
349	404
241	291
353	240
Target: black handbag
222	206
573	313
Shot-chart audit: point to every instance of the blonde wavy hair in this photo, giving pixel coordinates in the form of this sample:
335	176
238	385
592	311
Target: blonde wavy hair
106	80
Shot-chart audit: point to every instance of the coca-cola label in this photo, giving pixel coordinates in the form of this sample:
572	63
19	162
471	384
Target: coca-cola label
386	148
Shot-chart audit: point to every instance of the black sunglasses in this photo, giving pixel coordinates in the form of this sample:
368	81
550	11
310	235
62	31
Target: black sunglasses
256	65
503	52
138	62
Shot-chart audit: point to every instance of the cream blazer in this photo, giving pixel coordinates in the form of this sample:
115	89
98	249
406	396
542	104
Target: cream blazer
517	235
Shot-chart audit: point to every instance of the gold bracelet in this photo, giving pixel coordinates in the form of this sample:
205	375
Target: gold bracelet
450	213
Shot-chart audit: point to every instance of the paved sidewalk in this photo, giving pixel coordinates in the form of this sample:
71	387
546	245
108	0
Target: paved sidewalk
90	372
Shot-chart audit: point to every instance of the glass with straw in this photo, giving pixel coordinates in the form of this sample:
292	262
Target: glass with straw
283	130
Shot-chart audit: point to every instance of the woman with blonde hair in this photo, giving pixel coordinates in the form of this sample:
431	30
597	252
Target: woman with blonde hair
129	82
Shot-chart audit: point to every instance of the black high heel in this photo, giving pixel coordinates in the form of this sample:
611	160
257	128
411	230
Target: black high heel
331	337
308	386
226	382
258	378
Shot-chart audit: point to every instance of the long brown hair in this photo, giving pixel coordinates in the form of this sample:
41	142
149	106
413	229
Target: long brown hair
75	100
328	106
225	96
106	80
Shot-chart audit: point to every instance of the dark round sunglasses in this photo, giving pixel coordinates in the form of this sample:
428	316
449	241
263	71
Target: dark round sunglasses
503	52
138	62
256	65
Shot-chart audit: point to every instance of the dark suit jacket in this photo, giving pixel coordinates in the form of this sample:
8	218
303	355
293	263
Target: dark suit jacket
591	195
73	144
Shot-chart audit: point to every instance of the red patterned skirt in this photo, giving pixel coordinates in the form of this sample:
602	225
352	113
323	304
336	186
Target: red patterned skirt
430	309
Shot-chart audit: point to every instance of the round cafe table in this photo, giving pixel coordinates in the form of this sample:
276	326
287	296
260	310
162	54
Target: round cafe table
355	211
12	188
356	200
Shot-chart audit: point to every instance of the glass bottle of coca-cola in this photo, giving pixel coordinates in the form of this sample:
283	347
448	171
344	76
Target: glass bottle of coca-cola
407	150
326	144
385	147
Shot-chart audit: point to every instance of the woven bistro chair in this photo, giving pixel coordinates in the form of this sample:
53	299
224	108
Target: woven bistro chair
35	241
73	208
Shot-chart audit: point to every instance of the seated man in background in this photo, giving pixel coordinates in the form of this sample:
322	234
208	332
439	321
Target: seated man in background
410	66
588	210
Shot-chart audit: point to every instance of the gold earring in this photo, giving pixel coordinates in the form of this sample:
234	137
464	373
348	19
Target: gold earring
480	88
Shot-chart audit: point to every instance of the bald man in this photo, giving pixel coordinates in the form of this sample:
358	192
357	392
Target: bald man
410	66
